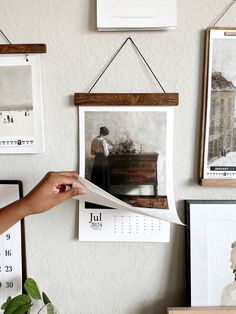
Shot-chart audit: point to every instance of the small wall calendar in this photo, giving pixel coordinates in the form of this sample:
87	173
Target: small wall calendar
117	15
12	253
117	225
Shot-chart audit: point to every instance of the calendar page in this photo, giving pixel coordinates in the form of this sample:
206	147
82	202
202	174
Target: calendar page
127	173
138	14
10	247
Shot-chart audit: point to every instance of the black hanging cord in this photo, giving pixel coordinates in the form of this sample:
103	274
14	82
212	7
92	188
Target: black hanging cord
147	63
224	12
109	64
5	37
112	59
26	57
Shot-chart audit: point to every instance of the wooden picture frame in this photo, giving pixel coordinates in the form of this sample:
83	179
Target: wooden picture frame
217	138
210	246
13	258
201	310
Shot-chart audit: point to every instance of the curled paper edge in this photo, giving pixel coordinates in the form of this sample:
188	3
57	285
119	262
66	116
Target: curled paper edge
96	195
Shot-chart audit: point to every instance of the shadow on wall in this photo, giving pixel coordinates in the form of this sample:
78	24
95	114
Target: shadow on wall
176	281
92	25
160	306
195	175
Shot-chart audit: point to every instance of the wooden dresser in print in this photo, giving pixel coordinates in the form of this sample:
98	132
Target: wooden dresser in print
134	169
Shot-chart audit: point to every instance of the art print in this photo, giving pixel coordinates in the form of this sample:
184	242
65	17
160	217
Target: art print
124	158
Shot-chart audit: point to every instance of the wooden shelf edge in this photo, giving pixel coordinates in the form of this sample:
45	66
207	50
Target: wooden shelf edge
23	48
220	28
217	182
126	99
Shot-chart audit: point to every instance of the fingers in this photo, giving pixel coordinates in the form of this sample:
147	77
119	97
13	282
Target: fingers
64	184
63	179
71	193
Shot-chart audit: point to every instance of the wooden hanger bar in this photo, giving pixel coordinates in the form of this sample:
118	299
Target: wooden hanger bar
126	99
23	48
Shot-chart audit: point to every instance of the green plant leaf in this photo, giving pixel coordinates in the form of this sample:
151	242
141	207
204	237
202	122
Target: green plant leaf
4	305
23	309
32	289
18	304
46	299
51	309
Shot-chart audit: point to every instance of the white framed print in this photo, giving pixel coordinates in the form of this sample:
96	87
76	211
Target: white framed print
211	250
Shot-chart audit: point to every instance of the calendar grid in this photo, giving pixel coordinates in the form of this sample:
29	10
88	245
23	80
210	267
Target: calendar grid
1	271
123	227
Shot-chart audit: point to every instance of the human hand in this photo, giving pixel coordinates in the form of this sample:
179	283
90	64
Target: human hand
51	191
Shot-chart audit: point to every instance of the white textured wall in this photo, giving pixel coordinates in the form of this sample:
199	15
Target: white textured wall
107	278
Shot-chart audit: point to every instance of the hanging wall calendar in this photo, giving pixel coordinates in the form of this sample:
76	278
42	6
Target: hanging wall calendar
218	133
12	246
125	157
131	163
21	112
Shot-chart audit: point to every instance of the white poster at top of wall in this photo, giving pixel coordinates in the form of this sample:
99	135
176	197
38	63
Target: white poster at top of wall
21	114
117	15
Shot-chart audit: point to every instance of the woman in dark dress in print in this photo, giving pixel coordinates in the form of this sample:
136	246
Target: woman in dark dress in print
100	149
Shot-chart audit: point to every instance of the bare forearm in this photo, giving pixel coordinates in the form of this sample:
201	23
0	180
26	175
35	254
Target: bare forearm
49	192
11	214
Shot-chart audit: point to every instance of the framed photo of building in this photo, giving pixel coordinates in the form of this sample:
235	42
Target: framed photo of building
21	112
211	252
218	131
